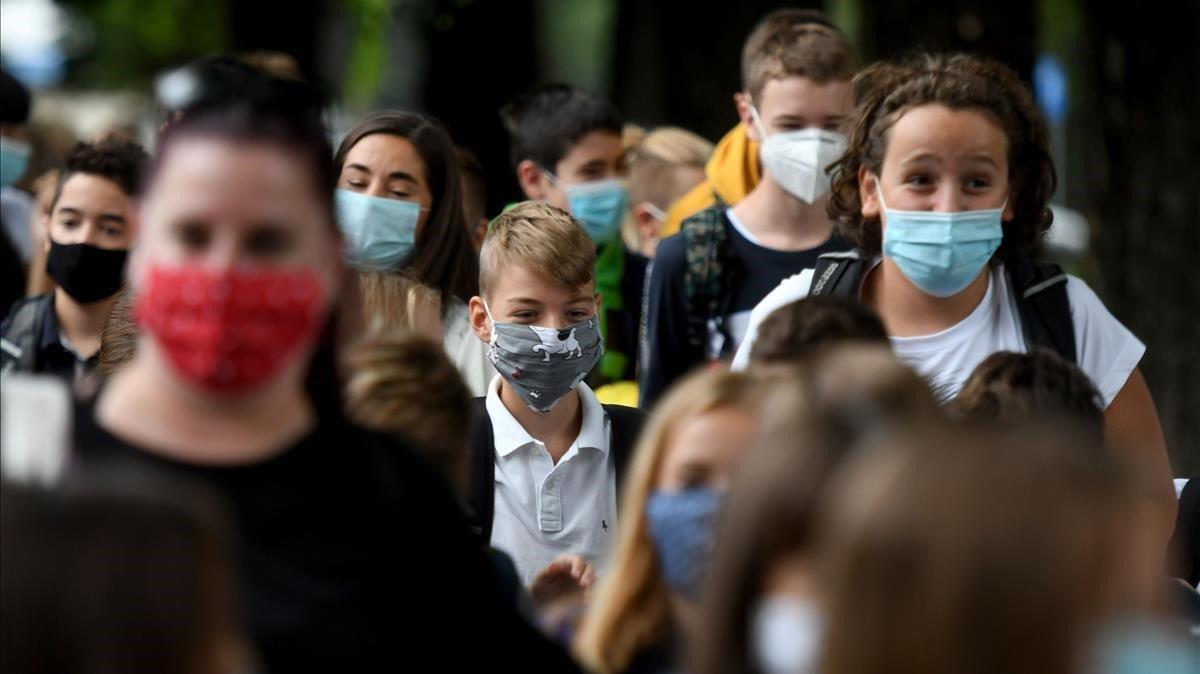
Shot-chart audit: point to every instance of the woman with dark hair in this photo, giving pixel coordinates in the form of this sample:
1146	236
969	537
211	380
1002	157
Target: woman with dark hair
399	203
343	536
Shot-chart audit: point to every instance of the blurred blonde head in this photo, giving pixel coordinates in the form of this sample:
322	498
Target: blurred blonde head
403	384
394	303
663	165
630	609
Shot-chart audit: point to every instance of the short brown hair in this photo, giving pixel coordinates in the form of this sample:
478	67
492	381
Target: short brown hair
794	332
885	91
1017	388
542	239
405	385
795	43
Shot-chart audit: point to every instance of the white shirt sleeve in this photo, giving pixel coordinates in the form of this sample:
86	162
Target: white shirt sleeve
1106	350
789	290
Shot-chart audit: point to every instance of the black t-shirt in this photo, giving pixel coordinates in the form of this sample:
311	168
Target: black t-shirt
352	557
667	355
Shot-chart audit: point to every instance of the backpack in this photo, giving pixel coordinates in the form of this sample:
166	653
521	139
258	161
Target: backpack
1040	289
711	264
626	425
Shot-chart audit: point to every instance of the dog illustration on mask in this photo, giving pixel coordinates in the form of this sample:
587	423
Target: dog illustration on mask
555	343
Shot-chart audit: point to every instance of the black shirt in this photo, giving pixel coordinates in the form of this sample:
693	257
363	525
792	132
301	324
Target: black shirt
352	557
54	357
667	355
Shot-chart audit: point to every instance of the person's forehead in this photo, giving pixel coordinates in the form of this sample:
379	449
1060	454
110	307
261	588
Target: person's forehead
710	437
220	179
805	96
594	145
946	133
386	153
516	281
86	191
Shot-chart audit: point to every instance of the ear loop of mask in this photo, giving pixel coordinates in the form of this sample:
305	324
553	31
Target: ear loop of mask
488	311
655	212
758	122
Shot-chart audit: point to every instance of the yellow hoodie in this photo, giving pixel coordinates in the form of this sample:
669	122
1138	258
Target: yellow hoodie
732	171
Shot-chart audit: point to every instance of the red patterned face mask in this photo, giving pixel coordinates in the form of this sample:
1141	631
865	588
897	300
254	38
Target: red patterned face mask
230	331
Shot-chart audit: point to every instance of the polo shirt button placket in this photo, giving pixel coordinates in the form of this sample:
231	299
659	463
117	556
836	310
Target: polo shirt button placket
550	517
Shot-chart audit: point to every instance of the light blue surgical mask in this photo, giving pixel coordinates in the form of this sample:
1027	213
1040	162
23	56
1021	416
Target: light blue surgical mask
1138	646
14	159
682	525
598	205
380	233
940	252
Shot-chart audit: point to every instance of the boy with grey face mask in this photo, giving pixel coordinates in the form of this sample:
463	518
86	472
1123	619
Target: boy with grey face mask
546	455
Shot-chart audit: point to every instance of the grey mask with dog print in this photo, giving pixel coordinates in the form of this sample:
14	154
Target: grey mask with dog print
544	364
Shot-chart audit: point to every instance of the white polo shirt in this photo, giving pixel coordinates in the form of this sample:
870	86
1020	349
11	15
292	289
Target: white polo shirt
543	509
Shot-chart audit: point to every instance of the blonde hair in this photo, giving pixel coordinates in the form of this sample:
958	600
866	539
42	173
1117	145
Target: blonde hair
654	177
405	385
395	302
630	609
542	239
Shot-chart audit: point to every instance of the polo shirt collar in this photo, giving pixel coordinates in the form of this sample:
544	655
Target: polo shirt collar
509	435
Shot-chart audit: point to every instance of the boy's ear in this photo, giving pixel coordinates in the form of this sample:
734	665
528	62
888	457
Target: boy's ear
742	102
598	298
531	179
480	324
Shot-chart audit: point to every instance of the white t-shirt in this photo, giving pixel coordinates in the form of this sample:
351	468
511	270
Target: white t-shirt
1106	350
543	509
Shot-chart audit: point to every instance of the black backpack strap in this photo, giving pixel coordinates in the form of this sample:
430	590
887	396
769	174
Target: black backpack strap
626	425
710	262
22	331
481	480
1040	289
838	274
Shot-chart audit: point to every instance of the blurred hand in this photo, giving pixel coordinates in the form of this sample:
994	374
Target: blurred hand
566	576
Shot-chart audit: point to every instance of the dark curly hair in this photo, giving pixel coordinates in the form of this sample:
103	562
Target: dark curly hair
117	159
885	91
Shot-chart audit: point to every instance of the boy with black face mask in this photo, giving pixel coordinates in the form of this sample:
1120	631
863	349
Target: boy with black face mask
88	233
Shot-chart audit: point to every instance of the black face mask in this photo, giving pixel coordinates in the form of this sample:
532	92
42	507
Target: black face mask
85	272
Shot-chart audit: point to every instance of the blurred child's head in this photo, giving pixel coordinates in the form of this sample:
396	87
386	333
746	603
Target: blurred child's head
793	333
663	166
1020	388
405	385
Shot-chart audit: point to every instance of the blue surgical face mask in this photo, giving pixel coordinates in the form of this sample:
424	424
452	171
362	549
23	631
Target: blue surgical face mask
14	159
941	253
1138	646
380	233
681	525
598	205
